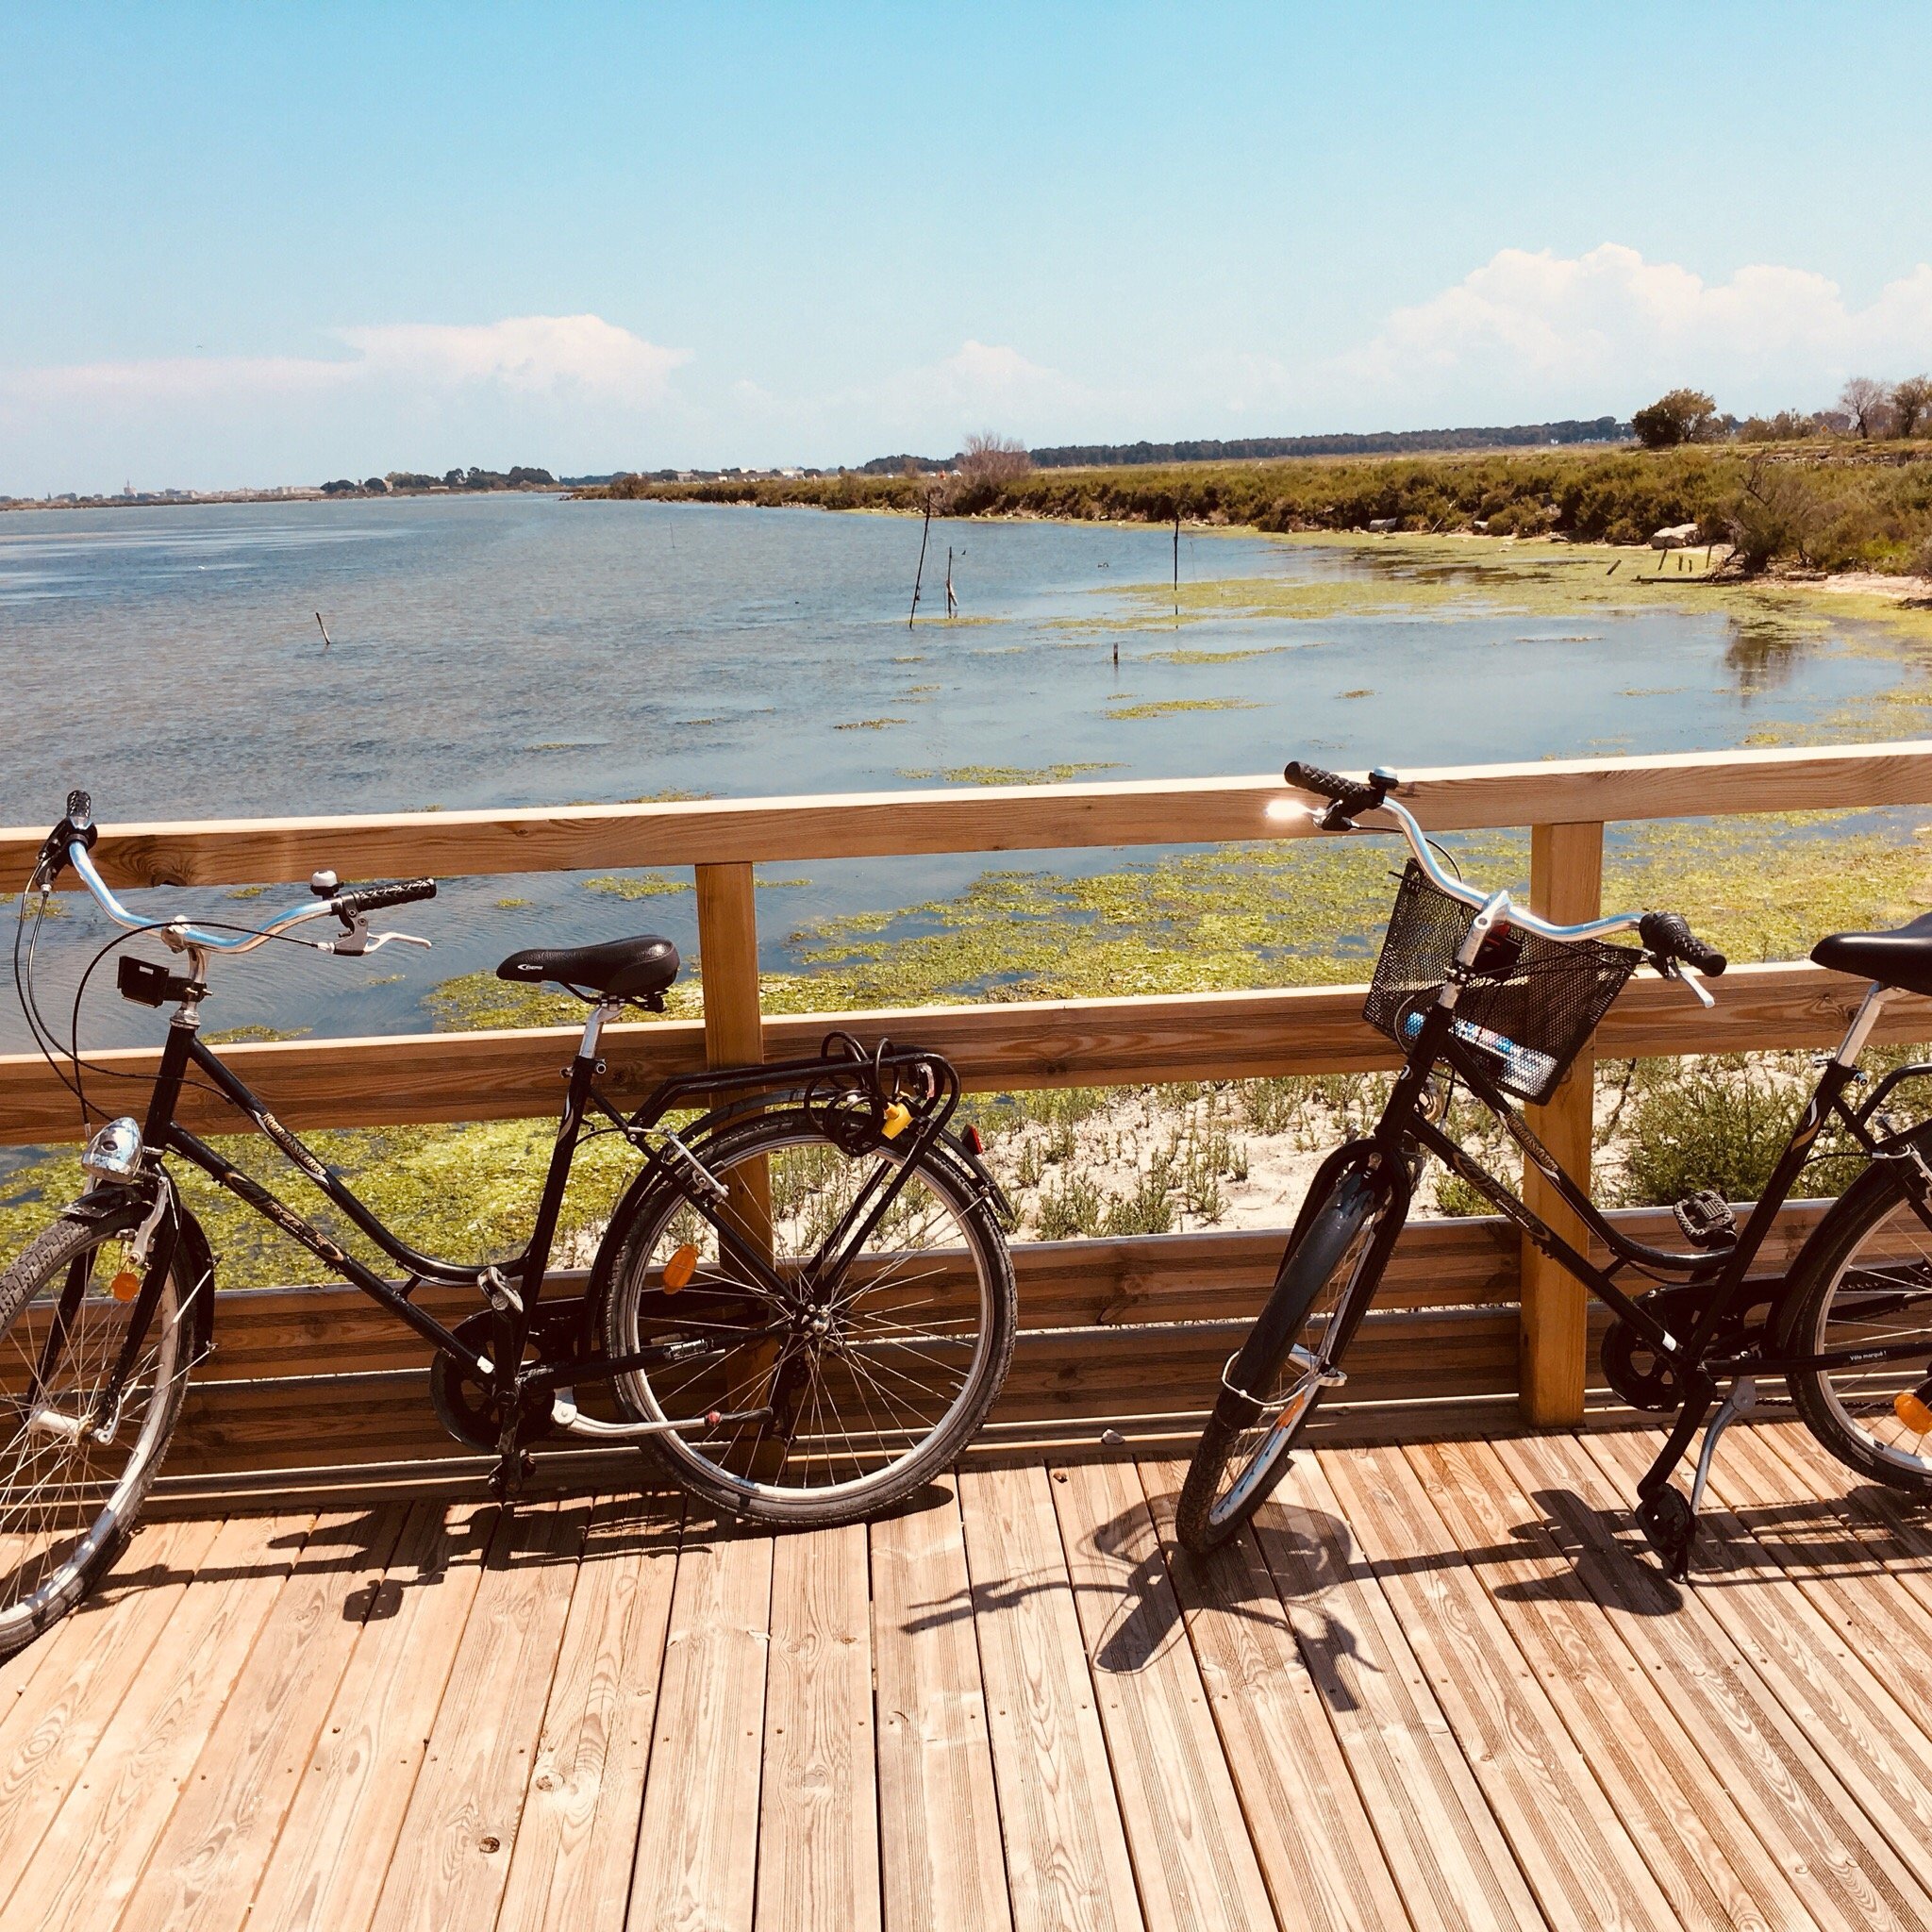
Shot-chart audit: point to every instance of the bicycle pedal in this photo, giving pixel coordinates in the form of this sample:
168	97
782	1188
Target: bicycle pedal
1706	1218
1669	1527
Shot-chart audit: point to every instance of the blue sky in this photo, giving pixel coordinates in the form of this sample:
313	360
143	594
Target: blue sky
271	243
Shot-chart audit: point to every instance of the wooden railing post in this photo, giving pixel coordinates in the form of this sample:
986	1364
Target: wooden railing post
734	1025
1566	872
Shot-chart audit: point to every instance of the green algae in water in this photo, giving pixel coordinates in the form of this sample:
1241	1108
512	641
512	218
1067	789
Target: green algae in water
1168	708
1010	774
651	885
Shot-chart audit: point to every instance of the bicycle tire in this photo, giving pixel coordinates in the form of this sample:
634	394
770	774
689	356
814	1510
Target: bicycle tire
1326	1277
1871	1248
871	1367
42	1575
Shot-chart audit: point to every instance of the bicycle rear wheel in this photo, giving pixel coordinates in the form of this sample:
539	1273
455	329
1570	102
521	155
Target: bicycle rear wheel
1278	1377
1864	1281
842	1398
73	1477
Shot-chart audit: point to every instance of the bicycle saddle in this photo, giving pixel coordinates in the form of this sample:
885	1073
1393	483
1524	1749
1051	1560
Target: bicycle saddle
1900	959
638	969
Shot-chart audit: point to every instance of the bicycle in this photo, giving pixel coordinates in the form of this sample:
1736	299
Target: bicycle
802	1306
1476	988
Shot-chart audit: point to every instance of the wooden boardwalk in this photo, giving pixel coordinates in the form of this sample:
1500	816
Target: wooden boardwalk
1435	1690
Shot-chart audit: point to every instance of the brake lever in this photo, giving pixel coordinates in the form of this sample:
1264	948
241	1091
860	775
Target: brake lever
401	938
1676	969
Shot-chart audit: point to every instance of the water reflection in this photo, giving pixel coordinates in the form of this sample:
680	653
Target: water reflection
1763	652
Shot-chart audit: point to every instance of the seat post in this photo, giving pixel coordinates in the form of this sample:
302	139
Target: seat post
1862	1021
594	1025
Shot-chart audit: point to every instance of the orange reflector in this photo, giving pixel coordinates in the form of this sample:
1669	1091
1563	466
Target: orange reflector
680	1268
125	1284
1911	1411
898	1118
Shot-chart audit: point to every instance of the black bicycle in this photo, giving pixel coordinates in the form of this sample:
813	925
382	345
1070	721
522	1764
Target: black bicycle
1477	989
802	1306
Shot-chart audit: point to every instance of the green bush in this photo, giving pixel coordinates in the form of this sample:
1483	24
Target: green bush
1717	1123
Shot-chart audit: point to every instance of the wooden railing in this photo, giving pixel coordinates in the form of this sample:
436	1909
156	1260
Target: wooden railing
1089	1357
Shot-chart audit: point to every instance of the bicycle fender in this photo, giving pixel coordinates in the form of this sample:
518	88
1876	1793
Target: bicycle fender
200	1269
103	1204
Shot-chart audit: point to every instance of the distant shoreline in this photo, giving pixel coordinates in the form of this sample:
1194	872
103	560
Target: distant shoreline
184	499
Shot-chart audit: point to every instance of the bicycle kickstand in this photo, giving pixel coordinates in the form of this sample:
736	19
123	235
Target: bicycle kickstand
1667	1518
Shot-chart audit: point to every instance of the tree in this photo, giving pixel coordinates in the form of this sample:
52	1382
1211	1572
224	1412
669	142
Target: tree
1911	405
1685	415
989	458
1862	399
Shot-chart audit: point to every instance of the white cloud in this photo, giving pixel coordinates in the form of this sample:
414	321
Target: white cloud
565	390
1608	328
530	352
1528	335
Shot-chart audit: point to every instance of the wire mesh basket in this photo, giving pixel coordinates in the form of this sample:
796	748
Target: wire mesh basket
1529	1009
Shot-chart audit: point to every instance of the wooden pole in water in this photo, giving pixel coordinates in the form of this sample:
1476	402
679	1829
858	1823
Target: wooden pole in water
919	575
1176	566
952	602
326	640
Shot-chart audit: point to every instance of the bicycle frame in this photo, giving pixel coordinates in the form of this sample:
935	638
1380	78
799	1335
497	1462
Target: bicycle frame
1723	1273
935	1086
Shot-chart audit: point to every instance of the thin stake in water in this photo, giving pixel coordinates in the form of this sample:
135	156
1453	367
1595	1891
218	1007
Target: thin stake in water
919	575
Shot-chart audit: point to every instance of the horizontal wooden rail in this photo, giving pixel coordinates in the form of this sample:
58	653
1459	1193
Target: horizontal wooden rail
1112	1330
421	1077
1158	811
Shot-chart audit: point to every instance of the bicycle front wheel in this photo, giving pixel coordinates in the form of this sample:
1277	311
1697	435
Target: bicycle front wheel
1864	1282
74	1469
838	1397
1278	1377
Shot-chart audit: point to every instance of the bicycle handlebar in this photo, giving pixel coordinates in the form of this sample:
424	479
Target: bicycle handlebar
1665	935
72	840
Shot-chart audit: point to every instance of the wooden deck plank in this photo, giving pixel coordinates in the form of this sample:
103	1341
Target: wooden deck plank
1842	1704
1694	1835
697	1852
819	1828
1067	1862
1845	1873
942	1865
208	1860
1192	1854
1856	1573
453	1854
1312	1835
1582	1864
327	1868
1449	1856
92	1852
1888	1526
87	1664
577	1842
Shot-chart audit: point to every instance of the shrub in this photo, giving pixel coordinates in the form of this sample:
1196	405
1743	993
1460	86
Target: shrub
1773	515
1717	1123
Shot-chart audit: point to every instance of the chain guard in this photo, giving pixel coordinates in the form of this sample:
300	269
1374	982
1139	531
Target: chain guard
1636	1372
471	1413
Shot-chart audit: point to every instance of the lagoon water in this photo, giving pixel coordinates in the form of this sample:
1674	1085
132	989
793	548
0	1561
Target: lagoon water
529	650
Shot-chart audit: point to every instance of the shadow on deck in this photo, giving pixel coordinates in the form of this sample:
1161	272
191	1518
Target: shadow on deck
1435	1689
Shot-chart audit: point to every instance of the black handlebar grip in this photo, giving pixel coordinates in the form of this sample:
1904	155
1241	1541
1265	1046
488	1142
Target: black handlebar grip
1349	794
389	892
1669	936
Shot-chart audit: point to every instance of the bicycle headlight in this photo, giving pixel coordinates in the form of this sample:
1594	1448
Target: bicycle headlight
114	1153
